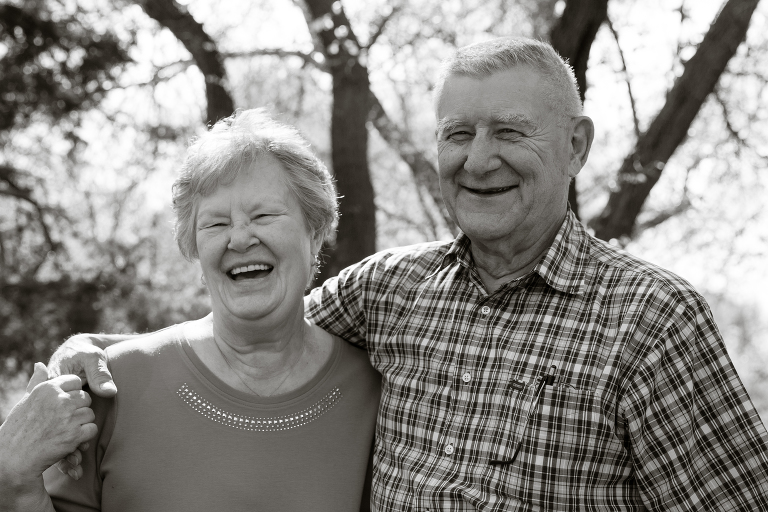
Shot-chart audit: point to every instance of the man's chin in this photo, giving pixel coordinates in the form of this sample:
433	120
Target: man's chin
486	227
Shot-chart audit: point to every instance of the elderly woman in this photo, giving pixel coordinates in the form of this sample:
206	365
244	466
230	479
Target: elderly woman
251	407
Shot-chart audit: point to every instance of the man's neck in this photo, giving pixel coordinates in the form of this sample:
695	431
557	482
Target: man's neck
501	261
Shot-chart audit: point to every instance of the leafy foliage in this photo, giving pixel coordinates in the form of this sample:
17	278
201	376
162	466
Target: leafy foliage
52	64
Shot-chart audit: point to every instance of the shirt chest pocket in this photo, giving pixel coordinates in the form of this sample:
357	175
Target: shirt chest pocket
540	423
538	446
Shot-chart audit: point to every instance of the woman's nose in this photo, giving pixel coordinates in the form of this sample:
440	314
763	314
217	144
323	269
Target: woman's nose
241	237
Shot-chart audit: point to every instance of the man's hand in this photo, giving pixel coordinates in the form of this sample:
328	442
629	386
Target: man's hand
52	420
80	356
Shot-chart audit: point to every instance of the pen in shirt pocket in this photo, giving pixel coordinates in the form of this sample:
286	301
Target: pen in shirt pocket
545	380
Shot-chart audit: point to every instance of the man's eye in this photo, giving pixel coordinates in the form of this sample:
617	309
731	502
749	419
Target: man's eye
508	132
459	135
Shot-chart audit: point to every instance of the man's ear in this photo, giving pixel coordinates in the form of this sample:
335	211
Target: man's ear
581	142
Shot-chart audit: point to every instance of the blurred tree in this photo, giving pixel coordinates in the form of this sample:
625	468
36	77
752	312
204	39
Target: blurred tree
179	21
642	168
356	236
572	36
54	66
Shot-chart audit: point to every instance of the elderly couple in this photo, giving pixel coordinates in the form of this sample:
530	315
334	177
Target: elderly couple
523	366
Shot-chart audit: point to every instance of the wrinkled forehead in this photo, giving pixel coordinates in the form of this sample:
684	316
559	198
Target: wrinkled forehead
519	96
476	118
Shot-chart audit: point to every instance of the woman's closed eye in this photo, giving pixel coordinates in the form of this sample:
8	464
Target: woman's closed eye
213	224
267	216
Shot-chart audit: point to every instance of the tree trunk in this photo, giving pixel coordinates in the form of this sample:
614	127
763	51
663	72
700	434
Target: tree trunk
175	17
572	36
356	237
641	169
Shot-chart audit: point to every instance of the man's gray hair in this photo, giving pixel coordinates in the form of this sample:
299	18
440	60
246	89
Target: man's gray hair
231	147
481	60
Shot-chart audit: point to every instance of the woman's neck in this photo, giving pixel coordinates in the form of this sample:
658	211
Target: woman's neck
261	361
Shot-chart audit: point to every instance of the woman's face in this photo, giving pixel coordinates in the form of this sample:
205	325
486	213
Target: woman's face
255	248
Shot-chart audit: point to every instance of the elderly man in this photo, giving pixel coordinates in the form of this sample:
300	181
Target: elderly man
527	365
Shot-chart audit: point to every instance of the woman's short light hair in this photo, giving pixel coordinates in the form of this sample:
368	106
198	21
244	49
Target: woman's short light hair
482	60
230	147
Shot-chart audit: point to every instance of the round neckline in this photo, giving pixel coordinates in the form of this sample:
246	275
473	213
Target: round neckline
228	391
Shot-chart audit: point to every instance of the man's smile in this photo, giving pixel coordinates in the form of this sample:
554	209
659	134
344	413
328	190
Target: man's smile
489	191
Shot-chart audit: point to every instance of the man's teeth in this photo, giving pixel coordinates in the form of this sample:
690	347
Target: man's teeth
249	268
490	190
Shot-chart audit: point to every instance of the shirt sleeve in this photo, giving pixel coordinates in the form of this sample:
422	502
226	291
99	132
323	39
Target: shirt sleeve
697	441
338	306
84	495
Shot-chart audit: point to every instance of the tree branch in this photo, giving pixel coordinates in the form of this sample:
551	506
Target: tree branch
626	77
664	215
277	52
13	189
727	119
431	234
177	19
381	25
642	169
424	172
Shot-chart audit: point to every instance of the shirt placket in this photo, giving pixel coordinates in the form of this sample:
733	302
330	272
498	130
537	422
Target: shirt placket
466	368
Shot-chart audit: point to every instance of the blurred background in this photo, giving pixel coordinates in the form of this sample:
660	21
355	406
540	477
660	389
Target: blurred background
99	98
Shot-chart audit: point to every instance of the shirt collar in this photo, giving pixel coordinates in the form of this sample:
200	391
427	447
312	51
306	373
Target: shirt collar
460	252
564	265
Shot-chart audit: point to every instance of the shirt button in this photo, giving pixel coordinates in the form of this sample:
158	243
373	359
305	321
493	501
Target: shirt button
485	310
449	449
466	377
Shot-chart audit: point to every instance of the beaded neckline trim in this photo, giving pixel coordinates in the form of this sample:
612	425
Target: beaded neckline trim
266	424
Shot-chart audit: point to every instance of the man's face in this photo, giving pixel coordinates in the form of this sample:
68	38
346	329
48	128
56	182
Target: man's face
505	164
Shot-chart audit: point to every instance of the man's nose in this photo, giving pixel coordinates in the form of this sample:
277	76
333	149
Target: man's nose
242	236
483	155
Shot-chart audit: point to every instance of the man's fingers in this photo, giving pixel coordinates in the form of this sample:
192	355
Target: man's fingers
88	431
99	378
84	415
75	472
63	466
80	398
68	382
74	458
39	375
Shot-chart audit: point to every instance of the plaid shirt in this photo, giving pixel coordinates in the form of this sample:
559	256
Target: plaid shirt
596	382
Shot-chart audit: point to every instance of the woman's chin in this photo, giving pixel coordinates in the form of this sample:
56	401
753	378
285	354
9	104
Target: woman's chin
258	306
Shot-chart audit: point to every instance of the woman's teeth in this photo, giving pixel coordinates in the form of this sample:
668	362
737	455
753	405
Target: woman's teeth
250	271
249	268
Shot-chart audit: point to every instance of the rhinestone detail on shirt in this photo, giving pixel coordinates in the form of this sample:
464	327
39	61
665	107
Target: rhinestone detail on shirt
266	424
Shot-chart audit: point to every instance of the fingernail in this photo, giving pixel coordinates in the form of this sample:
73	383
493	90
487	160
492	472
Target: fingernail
108	386
72	473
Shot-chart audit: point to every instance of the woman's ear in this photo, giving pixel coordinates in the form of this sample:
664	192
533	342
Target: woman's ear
316	242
